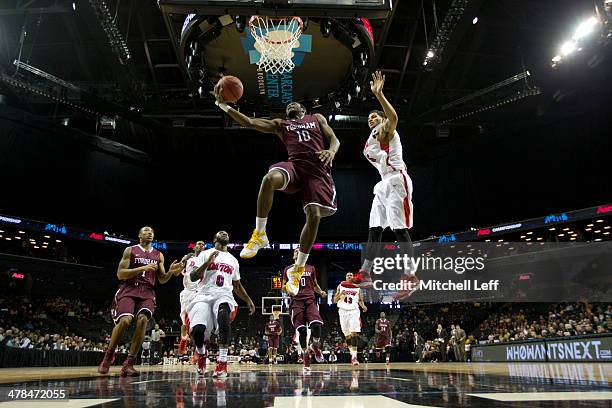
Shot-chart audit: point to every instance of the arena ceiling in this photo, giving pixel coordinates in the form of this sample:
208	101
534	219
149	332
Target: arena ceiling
65	39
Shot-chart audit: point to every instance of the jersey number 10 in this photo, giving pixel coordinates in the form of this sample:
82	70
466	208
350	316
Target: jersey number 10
303	135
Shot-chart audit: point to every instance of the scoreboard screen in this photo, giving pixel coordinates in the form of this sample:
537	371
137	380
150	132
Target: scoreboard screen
277	282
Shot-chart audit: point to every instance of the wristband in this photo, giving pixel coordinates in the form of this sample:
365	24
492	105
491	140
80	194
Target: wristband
224	106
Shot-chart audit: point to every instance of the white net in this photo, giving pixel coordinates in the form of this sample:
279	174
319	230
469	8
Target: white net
275	39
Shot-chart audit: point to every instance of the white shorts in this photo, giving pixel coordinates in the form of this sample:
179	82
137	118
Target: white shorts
185	297
204	309
392	205
350	321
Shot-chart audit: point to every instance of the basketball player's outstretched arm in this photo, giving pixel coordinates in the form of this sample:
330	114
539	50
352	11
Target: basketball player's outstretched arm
242	294
390	123
261	125
124	272
327	156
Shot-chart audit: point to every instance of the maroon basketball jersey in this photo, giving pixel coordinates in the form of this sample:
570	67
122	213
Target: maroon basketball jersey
141	257
306	291
384	326
273	327
303	137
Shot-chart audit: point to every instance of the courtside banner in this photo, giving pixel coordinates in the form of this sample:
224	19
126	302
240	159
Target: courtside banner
492	272
583	349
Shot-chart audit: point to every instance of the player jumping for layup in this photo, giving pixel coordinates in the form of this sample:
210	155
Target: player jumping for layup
139	267
349	300
304	313
306	171
392	205
212	308
383	336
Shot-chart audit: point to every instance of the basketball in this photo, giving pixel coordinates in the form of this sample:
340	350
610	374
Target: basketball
232	88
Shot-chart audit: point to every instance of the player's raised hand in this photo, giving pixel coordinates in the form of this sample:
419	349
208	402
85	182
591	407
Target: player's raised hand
213	256
217	93
326	156
377	83
176	267
323	293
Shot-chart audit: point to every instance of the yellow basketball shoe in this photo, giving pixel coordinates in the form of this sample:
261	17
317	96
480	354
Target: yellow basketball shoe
292	286
258	240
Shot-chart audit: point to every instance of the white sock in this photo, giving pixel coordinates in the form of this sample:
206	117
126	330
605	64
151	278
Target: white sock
367	265
302	258
222	355
260	224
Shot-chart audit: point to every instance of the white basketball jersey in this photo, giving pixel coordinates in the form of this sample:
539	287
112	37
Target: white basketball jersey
351	300
218	278
193	263
375	153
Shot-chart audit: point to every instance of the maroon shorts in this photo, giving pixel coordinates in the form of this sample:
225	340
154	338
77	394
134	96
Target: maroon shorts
303	313
130	300
312	181
382	342
273	340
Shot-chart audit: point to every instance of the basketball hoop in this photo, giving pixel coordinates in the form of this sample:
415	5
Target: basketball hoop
276	37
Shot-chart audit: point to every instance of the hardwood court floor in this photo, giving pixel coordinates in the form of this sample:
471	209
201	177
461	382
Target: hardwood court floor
336	386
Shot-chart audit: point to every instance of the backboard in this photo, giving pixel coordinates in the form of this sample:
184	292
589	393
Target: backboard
332	58
373	9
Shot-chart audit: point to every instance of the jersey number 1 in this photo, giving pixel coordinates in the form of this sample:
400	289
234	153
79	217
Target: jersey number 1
303	135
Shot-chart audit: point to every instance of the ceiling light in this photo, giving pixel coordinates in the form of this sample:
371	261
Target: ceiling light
556	58
552	229
598	239
606	227
475	20
607	233
587	229
565	229
530	232
597	231
572	238
430	54
17	237
500	240
585	28
528	239
36	246
589	225
599	221
8	238
58	240
540	238
561	235
568	47
523	236
22	232
47	236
